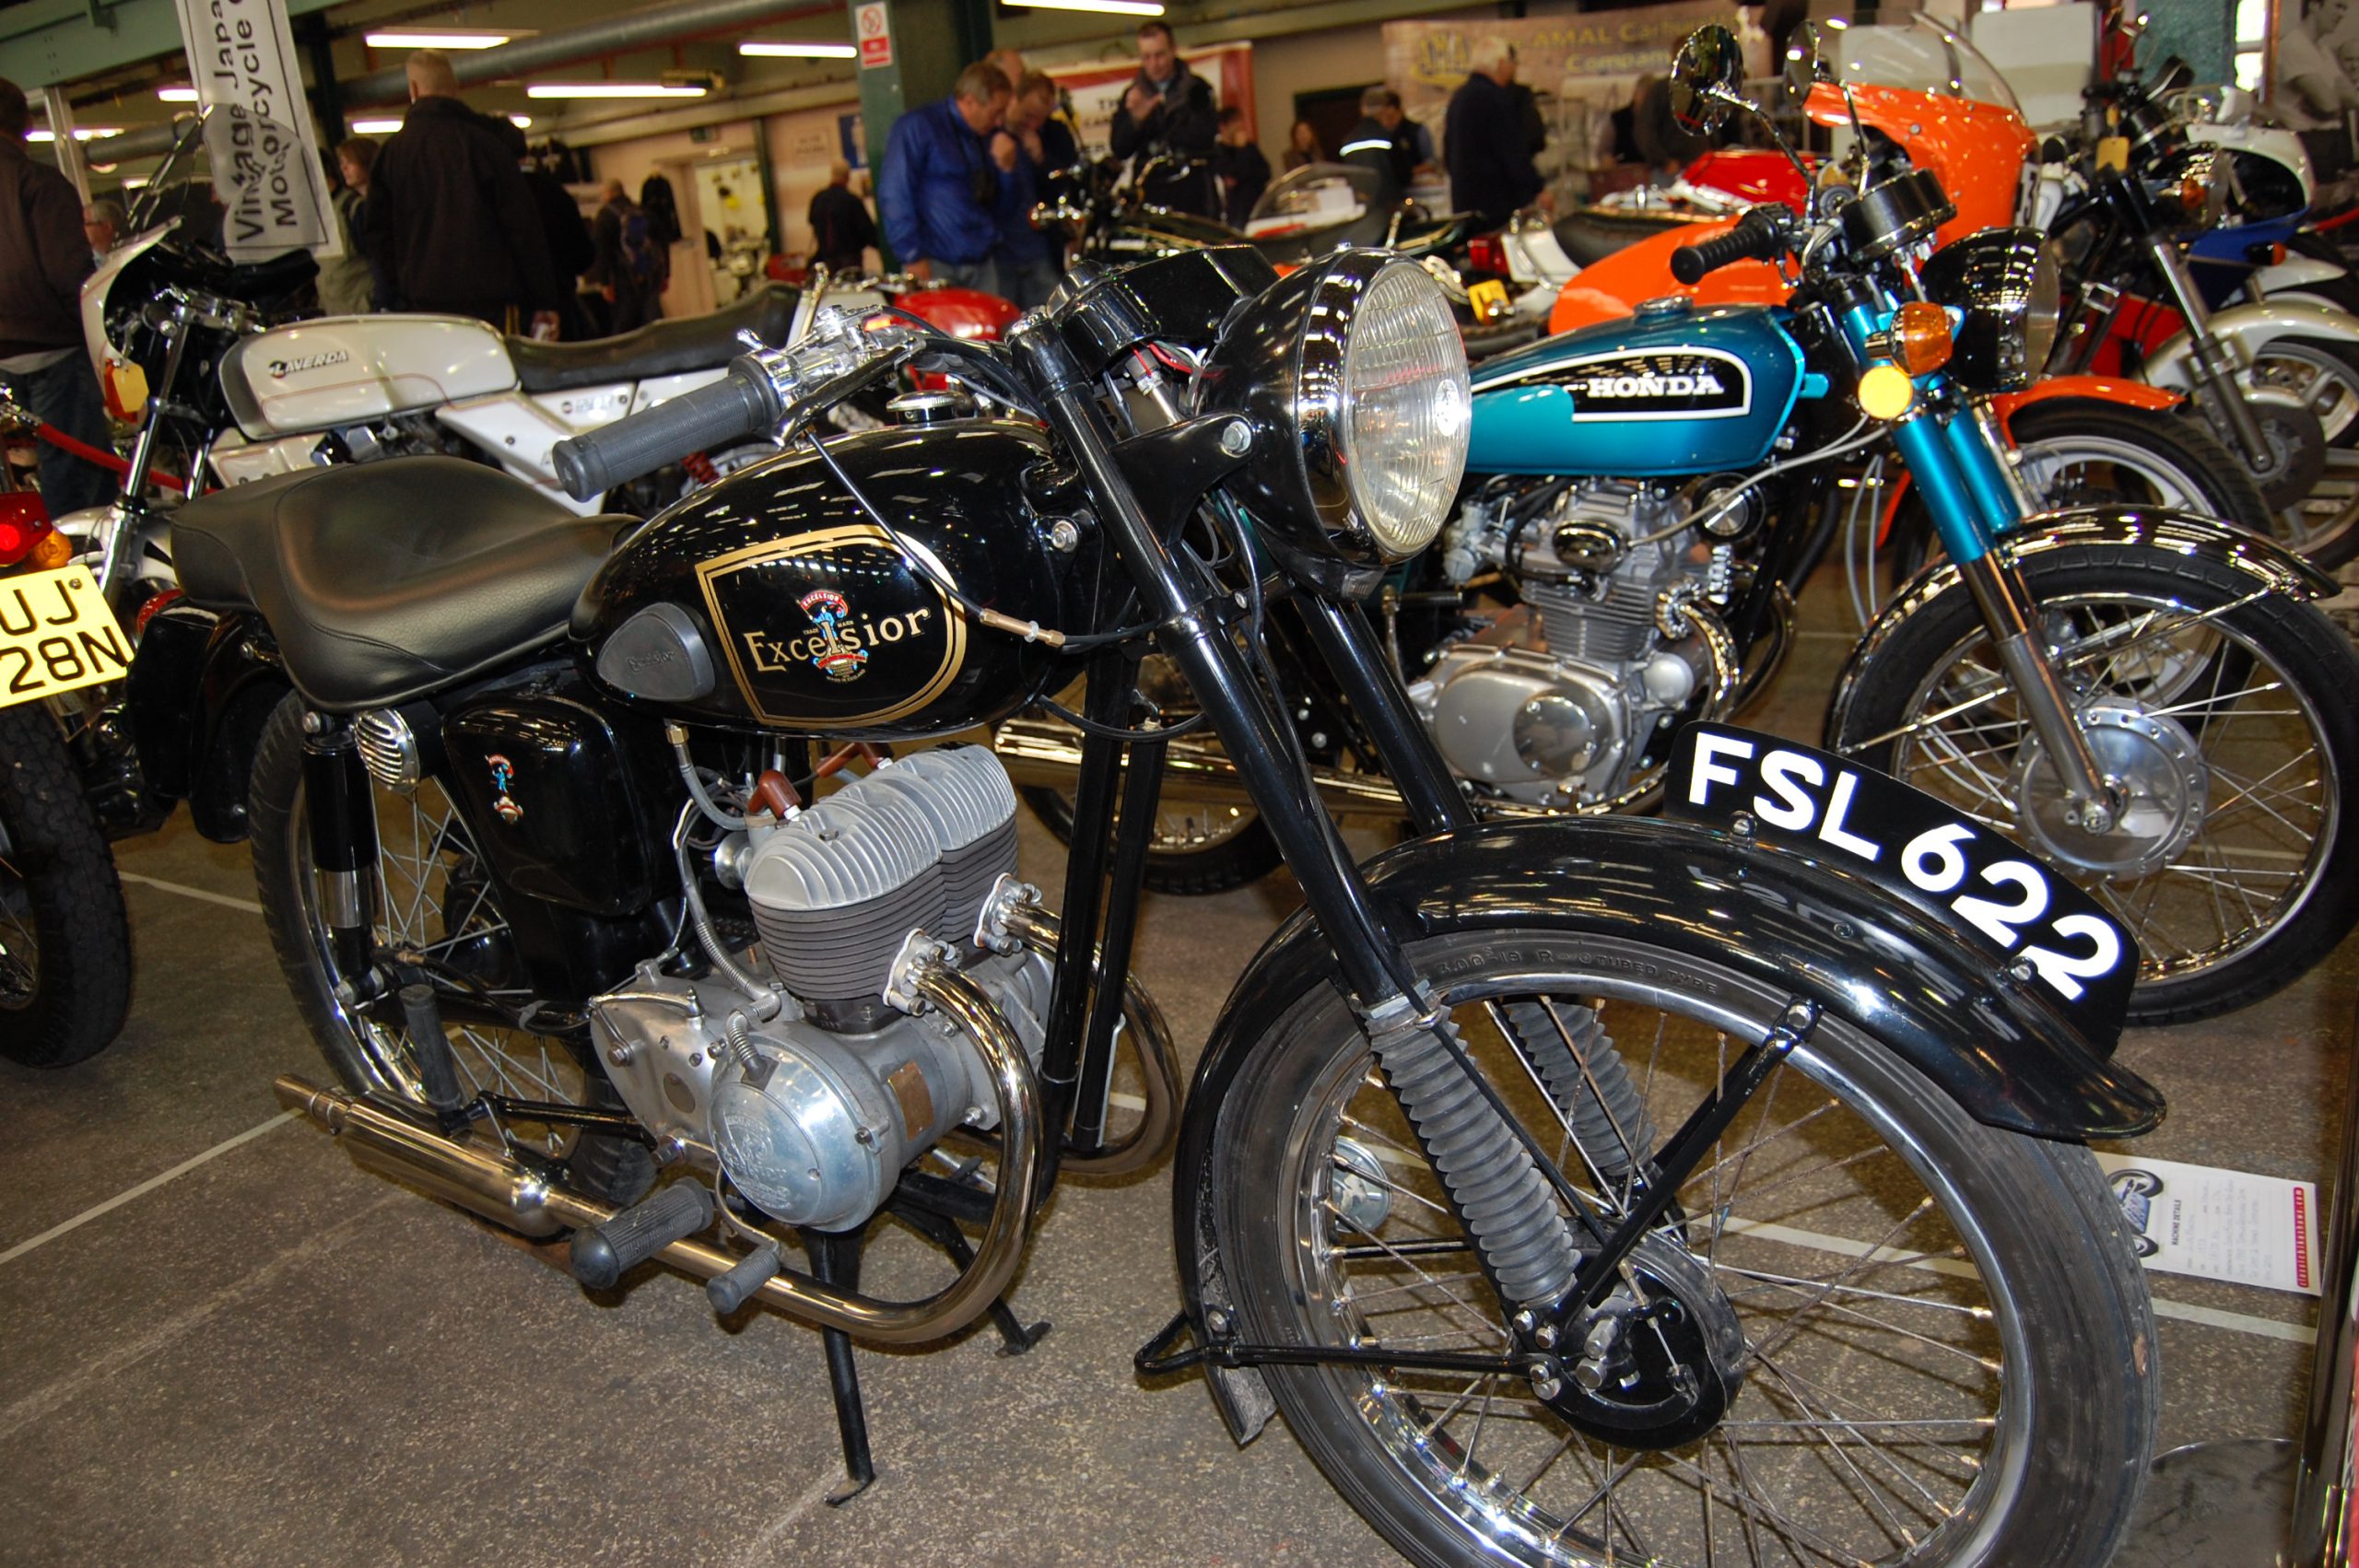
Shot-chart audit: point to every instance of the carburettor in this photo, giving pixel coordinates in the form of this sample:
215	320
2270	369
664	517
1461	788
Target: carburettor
813	1112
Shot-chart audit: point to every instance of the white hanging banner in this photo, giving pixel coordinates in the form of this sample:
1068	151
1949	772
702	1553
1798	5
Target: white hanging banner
258	137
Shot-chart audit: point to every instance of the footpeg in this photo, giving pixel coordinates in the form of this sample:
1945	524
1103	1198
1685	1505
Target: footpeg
603	1254
730	1291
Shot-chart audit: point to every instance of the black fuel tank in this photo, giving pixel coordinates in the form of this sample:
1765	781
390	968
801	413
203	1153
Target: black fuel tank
773	599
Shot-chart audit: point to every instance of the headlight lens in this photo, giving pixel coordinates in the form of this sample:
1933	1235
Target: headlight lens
2005	283
1405	405
1354	376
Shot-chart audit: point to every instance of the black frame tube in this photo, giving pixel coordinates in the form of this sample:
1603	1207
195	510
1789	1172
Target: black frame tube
1134	830
1373	691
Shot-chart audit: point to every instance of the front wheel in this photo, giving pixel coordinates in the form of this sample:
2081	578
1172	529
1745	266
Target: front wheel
64	937
2221	712
1938	1342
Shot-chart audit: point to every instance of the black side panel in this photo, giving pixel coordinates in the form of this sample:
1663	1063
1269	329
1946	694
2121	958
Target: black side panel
543	777
201	688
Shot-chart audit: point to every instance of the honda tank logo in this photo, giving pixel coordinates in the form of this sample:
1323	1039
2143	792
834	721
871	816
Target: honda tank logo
1669	383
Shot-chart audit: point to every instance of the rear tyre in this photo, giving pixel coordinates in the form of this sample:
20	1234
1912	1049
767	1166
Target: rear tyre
431	892
64	936
1996	1404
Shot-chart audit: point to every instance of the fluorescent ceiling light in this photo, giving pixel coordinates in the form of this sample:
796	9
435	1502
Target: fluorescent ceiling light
522	122
375	127
81	134
442	37
609	89
177	94
134	181
1112	7
802	51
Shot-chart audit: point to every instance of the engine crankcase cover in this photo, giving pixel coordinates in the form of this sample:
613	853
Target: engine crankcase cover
1524	724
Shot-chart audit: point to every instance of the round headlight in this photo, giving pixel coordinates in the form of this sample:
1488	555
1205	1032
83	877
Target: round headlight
1406	401
1354	376
2005	283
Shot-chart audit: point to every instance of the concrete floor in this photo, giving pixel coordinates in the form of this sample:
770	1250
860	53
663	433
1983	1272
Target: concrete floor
223	1343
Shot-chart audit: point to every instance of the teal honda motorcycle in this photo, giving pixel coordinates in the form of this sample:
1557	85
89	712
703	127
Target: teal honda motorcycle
2141	695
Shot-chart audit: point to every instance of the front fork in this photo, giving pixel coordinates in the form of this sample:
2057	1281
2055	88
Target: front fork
1975	493
2216	368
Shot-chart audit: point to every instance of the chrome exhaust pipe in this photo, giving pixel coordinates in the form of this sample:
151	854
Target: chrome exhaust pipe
508	1194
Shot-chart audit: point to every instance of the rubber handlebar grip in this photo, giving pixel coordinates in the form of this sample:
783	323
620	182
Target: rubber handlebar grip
1759	235
741	404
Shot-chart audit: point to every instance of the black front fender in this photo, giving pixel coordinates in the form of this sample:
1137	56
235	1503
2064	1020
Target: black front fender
201	686
1994	1044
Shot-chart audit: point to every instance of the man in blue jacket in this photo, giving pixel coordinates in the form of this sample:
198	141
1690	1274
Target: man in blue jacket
940	191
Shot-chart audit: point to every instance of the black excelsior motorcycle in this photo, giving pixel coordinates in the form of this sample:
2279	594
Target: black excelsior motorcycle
1576	1190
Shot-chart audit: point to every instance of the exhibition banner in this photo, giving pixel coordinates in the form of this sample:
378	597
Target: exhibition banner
258	137
1096	89
1581	68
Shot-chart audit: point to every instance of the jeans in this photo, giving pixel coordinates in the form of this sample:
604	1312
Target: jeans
982	276
1027	284
66	395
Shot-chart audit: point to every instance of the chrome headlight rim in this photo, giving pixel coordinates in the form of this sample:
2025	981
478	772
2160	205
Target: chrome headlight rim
2006	286
1287	364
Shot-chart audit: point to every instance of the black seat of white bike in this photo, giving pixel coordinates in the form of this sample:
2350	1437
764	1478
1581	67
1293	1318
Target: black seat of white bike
1591	236
658	348
385	580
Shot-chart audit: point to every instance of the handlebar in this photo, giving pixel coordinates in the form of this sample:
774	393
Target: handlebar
737	407
758	393
1759	235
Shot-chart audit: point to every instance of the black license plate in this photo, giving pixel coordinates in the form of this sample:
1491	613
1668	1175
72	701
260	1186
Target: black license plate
1988	888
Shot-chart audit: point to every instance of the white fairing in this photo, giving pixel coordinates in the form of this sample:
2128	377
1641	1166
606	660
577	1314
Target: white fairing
343	371
94	297
239	462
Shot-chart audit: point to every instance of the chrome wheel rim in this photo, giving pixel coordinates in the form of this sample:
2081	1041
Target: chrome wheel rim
429	894
2269	801
1805	1216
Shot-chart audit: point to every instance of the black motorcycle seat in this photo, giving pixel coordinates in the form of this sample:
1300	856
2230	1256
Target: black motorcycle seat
1591	236
383	581
658	348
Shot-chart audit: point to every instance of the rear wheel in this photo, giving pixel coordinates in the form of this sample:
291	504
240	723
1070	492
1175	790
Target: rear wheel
1942	1350
64	937
430	893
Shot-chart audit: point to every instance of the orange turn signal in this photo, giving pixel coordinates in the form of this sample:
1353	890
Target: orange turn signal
1920	337
2195	194
53	551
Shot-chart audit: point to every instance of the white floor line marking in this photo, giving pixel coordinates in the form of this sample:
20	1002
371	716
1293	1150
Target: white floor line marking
761	1548
150	1184
34	1406
248	904
1843	1247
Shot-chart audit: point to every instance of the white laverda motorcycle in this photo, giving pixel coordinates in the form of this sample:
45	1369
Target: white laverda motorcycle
233	391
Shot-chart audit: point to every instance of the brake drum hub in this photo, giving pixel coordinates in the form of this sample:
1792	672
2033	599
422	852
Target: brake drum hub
2163	781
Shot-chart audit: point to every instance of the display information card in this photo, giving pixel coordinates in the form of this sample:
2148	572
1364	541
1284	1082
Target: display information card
2216	1224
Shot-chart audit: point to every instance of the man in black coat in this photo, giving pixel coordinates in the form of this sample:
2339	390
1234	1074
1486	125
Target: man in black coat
44	364
1376	146
1169	110
1483	141
841	231
451	220
1244	172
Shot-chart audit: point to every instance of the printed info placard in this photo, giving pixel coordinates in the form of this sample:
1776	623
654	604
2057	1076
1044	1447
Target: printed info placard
258	135
2216	1224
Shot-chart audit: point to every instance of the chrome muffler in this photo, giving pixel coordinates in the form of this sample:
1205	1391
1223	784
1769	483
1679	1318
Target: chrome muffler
509	1194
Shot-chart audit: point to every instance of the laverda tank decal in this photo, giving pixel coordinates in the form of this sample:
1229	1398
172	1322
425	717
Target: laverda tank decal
816	623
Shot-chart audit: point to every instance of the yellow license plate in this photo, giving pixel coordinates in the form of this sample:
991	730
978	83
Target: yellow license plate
1490	298
56	634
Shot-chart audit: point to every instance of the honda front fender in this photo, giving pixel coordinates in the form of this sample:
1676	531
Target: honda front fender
2268	563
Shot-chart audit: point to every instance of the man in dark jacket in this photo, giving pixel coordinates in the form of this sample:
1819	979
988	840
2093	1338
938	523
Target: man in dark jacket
627	266
1244	172
451	220
1482	139
44	363
1032	150
841	231
1373	145
939	192
1169	110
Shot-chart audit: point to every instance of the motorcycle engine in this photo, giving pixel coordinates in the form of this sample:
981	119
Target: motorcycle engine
1563	700
812	1114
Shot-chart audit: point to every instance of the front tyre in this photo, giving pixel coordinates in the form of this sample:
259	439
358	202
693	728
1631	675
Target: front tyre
2223	711
1948	1354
